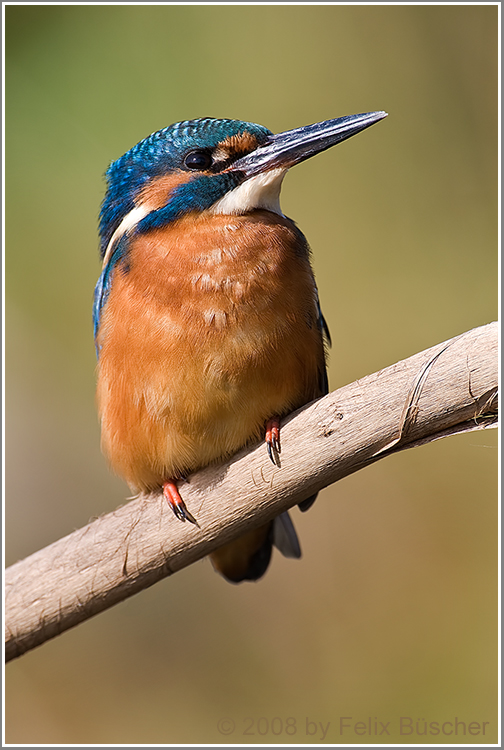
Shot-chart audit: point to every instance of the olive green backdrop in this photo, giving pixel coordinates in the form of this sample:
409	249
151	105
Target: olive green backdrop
392	610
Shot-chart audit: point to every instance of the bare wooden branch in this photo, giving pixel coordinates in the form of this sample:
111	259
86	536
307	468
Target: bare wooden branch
449	388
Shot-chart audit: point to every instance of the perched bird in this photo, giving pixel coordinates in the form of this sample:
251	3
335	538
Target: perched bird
207	321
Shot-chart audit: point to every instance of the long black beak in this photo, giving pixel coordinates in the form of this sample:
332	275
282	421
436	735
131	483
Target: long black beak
293	146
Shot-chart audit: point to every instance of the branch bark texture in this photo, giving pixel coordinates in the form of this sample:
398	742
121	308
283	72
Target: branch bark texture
449	388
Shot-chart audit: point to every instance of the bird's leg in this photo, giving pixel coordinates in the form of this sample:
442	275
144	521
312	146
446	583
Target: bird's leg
273	437
172	496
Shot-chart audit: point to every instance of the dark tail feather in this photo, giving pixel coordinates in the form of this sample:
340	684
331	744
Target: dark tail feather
247	558
285	538
307	504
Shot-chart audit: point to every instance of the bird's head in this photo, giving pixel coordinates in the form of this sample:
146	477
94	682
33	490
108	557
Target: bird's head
205	165
221	166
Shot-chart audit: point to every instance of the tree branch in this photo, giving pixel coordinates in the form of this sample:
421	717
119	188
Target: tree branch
449	388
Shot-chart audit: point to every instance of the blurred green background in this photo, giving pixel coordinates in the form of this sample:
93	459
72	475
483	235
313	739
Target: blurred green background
392	610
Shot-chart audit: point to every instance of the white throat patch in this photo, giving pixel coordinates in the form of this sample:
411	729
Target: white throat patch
260	191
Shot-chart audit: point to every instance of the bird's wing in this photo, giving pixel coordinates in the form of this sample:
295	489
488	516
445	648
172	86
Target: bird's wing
104	283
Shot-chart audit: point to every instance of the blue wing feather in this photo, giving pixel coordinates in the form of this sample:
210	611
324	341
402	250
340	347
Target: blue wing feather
102	288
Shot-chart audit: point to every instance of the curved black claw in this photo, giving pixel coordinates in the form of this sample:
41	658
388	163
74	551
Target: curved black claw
270	452
181	512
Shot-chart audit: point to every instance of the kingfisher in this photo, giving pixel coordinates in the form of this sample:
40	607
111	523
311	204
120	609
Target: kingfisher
207	320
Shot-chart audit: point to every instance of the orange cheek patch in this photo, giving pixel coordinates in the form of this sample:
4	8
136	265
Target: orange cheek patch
156	194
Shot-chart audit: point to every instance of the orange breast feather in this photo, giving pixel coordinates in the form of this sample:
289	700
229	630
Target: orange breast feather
210	330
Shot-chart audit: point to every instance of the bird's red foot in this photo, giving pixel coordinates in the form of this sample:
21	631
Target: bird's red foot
172	496
273	438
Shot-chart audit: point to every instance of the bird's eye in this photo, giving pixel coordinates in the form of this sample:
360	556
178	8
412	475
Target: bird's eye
198	160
